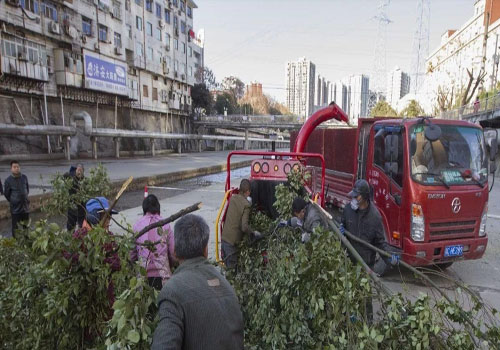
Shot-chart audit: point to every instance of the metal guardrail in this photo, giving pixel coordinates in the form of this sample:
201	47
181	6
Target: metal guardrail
477	107
240	118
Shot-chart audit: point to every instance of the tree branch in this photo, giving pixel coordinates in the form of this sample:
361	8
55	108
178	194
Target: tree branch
171	218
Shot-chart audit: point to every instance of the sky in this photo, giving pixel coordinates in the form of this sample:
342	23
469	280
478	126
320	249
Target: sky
253	39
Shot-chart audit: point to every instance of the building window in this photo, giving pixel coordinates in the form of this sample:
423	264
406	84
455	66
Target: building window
183	27
190	12
86	26
138	2
175	3
190	71
129	31
117	10
139	51
158	57
176	65
49	10
138	23
183	47
118	39
167	16
176	22
103	33
149	29
145	91
158	10
190	50
158	33
155	94
149	53
183	5
176	44
167	39
127	5
30	5
149	5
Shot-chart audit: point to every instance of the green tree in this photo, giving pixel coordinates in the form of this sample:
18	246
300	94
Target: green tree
202	99
383	109
226	101
234	85
413	109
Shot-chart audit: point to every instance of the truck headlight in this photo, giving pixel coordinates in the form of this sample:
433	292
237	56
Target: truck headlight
482	226
417	223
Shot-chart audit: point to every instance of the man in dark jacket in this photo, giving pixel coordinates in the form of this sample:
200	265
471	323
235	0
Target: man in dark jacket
198	308
236	224
16	191
363	220
76	214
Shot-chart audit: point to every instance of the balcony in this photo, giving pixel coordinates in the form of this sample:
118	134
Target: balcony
23	68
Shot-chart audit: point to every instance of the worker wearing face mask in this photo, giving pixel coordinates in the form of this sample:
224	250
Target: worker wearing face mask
362	219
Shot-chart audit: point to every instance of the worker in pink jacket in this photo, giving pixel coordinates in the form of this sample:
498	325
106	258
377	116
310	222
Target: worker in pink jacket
157	261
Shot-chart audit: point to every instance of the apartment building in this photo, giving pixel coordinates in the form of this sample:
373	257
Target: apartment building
474	47
300	87
398	85
138	56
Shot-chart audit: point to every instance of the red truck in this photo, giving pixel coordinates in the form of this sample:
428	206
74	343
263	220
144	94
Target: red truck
429	179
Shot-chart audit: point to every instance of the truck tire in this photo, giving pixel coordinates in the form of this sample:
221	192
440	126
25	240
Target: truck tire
444	266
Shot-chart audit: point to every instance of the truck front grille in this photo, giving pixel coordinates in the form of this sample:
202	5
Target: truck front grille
452	229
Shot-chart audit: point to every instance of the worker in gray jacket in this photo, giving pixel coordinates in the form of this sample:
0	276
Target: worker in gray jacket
16	191
198	308
308	217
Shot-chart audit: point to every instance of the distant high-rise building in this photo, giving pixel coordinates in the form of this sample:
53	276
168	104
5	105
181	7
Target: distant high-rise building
358	94
300	84
398	85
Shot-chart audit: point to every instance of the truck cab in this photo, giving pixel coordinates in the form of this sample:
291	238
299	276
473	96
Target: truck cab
431	189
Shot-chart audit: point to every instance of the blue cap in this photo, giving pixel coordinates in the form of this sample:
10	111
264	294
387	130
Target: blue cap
95	207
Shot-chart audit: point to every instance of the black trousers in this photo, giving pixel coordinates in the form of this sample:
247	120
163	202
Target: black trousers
18	218
229	255
155	282
75	216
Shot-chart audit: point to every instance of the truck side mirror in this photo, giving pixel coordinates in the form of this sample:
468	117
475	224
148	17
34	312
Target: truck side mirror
493	149
391	148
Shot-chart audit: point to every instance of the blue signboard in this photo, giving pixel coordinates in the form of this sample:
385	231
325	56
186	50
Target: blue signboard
105	74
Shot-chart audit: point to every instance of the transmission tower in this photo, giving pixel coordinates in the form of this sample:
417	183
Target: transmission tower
378	77
420	45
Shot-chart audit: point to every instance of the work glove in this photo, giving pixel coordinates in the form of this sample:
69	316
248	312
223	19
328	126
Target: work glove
283	223
306	237
257	235
395	257
342	229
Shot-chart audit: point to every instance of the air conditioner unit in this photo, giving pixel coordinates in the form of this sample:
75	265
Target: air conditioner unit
176	31
54	27
168	47
118	51
84	39
164	96
183	76
50	70
160	23
14	3
166	69
175	74
96	46
170	5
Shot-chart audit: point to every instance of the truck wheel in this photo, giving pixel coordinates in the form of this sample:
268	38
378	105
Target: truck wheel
444	266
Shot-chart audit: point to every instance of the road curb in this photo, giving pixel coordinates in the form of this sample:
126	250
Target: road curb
37	201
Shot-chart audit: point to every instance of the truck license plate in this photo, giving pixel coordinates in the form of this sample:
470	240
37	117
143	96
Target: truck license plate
454	250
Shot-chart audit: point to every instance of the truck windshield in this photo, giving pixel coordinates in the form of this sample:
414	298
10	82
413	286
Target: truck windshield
457	158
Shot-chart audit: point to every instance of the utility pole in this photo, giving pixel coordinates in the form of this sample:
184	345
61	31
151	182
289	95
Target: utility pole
495	66
485	44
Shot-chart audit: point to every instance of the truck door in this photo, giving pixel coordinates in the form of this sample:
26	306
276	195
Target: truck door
385	175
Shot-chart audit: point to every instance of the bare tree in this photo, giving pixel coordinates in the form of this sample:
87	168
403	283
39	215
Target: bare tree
468	93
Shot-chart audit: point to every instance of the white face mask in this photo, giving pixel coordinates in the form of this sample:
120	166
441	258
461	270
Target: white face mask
354	204
249	199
